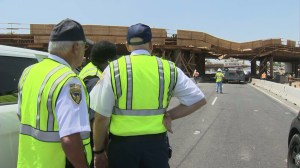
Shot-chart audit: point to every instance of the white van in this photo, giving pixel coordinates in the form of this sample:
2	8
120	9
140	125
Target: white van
13	61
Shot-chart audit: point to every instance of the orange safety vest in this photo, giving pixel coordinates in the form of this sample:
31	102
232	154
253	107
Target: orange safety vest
263	75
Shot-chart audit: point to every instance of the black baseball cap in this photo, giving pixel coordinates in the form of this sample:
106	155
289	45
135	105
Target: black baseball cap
67	30
139	30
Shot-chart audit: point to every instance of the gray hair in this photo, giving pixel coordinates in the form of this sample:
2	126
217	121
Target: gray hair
60	47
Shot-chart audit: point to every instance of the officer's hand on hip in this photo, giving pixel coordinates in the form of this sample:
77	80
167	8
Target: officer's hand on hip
167	121
100	160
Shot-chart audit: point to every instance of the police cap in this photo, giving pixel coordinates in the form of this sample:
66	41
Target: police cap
139	30
67	30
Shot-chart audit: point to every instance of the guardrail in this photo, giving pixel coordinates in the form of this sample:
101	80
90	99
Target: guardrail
287	92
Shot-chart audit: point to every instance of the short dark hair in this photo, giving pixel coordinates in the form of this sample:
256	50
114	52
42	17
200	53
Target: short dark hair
102	52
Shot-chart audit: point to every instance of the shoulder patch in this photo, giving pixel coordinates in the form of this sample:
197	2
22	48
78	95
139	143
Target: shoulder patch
75	92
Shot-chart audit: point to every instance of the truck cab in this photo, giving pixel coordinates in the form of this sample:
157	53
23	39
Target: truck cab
234	75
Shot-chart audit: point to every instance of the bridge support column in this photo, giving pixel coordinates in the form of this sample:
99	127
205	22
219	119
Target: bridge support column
253	67
297	72
200	61
190	62
177	58
163	54
263	66
271	67
295	66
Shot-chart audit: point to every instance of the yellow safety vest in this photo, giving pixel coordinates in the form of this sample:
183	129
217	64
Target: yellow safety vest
219	76
142	86
89	70
39	141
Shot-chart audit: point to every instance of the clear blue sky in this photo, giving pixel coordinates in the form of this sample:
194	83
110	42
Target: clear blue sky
233	20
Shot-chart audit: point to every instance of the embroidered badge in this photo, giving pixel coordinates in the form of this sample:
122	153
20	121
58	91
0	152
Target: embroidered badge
75	92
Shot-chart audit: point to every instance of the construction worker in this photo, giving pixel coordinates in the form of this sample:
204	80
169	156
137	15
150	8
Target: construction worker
195	75
219	79
133	97
53	105
264	76
101	54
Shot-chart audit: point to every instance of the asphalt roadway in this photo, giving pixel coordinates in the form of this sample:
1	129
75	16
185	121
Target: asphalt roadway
242	128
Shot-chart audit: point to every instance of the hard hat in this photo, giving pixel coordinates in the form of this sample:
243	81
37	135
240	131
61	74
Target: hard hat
219	70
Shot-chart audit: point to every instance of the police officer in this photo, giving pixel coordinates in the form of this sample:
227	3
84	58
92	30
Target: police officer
134	94
53	105
102	52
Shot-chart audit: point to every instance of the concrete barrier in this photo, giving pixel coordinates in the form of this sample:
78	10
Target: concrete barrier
278	89
287	92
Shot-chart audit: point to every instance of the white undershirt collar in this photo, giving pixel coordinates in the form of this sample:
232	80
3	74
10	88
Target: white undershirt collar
140	52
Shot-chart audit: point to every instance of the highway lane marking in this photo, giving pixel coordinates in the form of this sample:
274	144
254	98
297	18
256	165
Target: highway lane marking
214	101
196	132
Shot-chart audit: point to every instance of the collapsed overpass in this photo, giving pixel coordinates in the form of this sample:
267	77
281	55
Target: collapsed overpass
188	49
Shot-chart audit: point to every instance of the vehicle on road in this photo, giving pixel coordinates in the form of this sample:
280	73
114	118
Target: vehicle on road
293	158
13	61
234	75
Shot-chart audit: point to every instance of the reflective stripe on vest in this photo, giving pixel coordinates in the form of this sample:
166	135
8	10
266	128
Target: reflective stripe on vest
173	79
20	86
117	79
118	111
89	70
161	82
129	83
46	136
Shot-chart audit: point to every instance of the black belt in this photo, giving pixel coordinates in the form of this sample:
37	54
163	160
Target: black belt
161	136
